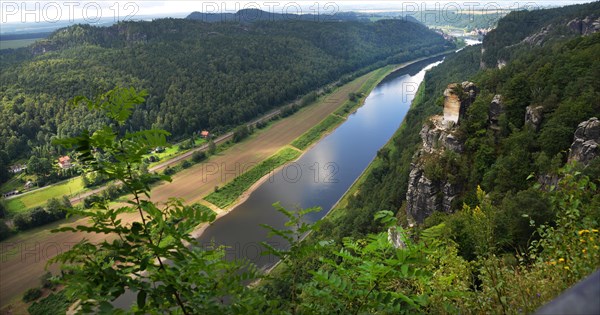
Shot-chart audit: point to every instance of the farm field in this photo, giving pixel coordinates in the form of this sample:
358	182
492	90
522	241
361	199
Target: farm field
19	273
17	43
40	197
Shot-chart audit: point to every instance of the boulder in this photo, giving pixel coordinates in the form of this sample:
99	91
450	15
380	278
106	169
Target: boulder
586	145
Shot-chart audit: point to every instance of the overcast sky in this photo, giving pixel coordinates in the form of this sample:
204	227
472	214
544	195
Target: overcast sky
52	11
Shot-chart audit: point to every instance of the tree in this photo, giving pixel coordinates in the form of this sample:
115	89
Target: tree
212	147
2	210
240	133
5	231
39	166
4	173
152	256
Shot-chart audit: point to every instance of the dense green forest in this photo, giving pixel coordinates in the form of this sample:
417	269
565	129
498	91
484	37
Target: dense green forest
552	24
199	75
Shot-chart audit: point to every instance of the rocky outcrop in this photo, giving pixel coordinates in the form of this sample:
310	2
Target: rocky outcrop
438	135
424	195
538	38
534	116
586	145
452	103
496	109
457	99
586	26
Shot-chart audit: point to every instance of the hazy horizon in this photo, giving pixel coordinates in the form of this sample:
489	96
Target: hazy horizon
53	12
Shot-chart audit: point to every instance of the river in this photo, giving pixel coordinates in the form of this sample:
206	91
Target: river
323	174
320	177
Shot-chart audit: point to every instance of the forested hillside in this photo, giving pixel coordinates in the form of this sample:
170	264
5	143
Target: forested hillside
198	75
524	224
536	27
559	78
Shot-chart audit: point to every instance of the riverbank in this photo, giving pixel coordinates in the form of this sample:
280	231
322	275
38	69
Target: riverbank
23	257
366	88
337	209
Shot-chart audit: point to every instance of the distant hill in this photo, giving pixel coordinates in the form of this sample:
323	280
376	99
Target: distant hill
199	75
521	30
254	15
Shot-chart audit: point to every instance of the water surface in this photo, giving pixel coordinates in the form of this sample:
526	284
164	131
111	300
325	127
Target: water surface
324	173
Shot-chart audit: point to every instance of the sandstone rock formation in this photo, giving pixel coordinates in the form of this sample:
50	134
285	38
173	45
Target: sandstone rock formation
457	99
586	145
496	109
424	196
534	116
451	103
587	26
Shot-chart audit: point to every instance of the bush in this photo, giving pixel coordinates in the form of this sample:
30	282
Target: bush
186	164
46	280
5	231
2	210
39	216
261	124
22	221
89	202
112	191
169	171
290	110
240	133
32	295
57	209
53	304
309	98
198	156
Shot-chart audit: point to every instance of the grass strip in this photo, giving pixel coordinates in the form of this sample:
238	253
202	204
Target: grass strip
229	193
316	132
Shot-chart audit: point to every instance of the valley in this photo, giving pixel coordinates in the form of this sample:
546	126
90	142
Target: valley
373	162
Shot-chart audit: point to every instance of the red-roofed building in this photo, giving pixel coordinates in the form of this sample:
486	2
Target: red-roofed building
204	134
64	162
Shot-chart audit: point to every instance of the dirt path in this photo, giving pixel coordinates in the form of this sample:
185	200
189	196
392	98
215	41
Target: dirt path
23	257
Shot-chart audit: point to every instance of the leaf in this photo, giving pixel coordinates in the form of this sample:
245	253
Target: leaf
141	299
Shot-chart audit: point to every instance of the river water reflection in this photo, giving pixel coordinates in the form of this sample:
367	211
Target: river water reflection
324	173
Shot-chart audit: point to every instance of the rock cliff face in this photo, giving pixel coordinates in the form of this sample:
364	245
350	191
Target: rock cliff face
496	109
534	116
586	26
424	196
457	99
586	145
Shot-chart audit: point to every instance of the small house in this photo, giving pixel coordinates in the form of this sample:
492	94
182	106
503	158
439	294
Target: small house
17	168
204	134
64	162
